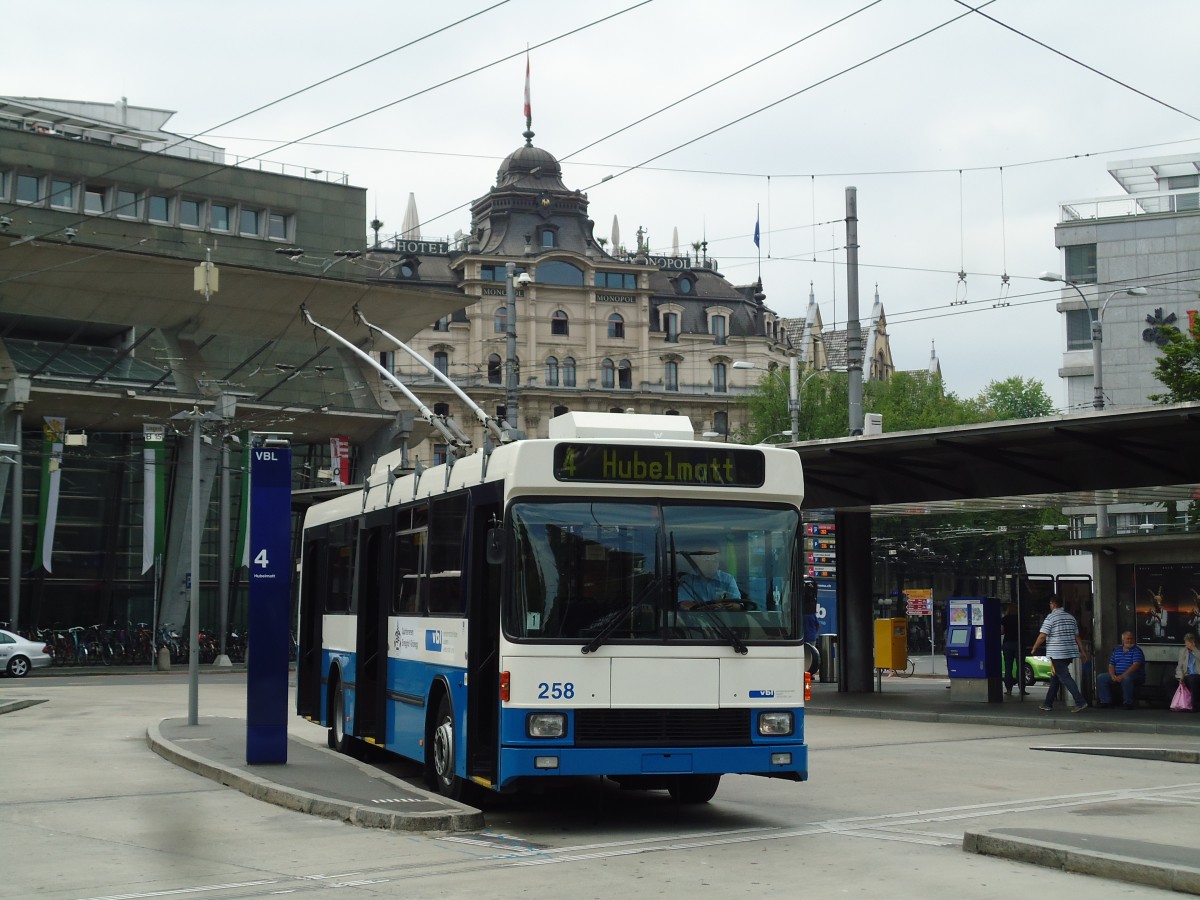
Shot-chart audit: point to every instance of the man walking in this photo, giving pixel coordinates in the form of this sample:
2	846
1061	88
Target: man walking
1060	634
1127	668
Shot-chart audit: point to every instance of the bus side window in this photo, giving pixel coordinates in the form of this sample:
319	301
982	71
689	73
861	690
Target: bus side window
339	571
447	539
410	571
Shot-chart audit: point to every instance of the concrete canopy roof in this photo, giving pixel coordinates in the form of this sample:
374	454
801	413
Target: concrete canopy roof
125	288
1144	455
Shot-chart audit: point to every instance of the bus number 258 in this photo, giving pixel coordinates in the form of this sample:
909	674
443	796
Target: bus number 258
558	690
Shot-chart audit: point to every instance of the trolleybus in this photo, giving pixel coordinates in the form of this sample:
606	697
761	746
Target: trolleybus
529	612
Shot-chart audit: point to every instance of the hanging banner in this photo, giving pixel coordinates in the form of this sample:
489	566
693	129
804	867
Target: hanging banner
154	495
339	457
53	429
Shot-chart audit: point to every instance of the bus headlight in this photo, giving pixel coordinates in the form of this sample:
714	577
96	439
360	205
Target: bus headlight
546	725
776	723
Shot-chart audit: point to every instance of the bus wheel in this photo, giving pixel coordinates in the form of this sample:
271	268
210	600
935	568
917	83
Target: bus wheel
337	719
447	783
694	788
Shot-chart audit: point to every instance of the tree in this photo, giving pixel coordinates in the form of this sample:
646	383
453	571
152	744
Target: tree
1016	398
1179	365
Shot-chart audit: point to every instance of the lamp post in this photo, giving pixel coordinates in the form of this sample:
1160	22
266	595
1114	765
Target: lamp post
510	328
1097	321
794	386
195	416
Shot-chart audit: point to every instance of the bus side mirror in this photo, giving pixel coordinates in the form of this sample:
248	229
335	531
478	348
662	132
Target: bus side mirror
495	546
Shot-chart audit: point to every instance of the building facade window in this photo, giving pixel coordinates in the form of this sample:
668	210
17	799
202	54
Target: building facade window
625	375
129	204
671	375
191	213
568	372
442	324
277	227
440	454
718	327
560	273
619	281
670	324
441	409
551	371
684	285
62	193
560	411
616	326
95	199
29	188
500	321
1079	329
721	423
495	367
249	222
441	361
549	238
158	208
1081	263
220	217
498	273
719	383
607	374
559	323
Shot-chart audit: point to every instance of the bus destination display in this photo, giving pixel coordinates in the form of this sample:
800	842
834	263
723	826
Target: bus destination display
728	466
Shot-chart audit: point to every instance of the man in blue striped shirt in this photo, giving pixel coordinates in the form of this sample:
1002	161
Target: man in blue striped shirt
1127	668
1060	634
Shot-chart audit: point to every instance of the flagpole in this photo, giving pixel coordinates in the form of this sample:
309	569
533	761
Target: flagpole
757	240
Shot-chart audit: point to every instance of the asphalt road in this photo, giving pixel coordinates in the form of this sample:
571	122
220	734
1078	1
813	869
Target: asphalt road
88	811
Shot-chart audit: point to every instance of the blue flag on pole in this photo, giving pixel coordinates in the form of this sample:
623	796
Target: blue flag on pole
756	243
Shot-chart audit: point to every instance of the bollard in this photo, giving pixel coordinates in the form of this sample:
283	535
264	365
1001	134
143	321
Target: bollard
164	659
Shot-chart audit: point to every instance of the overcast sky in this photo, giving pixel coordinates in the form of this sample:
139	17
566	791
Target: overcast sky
962	143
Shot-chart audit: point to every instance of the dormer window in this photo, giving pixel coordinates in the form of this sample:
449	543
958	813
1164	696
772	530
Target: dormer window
549	238
685	285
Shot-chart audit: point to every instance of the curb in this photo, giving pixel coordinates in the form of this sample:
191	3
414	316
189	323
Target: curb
7	706
1154	754
465	819
1184	880
1046	723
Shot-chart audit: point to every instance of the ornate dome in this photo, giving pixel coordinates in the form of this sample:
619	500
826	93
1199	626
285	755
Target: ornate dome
530	167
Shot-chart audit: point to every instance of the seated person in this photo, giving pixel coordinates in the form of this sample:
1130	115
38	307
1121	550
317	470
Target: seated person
701	580
1127	668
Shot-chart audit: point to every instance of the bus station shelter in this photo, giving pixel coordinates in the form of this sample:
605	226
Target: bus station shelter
1144	455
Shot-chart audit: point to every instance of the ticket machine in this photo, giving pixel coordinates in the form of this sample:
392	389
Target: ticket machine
973	649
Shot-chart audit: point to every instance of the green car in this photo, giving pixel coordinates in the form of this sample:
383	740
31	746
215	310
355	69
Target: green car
1036	668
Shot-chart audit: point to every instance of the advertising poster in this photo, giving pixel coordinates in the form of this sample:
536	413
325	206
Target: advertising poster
1167	599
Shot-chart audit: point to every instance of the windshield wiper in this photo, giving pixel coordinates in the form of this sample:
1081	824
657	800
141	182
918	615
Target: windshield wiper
617	620
722	628
612	625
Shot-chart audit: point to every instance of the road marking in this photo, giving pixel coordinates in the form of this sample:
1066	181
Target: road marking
190	890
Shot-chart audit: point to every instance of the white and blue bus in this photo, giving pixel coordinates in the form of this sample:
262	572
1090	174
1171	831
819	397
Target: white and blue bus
532	611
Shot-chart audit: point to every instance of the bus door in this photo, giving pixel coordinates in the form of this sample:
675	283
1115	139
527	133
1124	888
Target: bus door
483	588
311	633
373	589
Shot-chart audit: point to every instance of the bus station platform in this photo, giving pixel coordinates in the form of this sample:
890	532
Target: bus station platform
314	780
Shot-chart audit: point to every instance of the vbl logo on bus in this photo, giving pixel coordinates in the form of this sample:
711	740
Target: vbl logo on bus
433	640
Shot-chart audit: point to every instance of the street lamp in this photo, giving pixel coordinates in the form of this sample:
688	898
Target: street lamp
1097	320
795	385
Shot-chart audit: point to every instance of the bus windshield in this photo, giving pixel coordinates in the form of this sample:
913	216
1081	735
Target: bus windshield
613	572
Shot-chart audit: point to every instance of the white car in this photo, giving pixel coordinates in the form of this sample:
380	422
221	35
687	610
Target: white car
18	655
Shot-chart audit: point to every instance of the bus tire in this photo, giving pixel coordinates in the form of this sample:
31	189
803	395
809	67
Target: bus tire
442	751
694	788
337	717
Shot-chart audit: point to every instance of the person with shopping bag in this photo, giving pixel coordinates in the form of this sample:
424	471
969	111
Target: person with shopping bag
1187	672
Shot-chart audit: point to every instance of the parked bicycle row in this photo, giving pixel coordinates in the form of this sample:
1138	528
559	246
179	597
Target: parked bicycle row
129	644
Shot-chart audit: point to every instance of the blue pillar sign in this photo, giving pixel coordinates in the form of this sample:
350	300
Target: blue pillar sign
270	601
